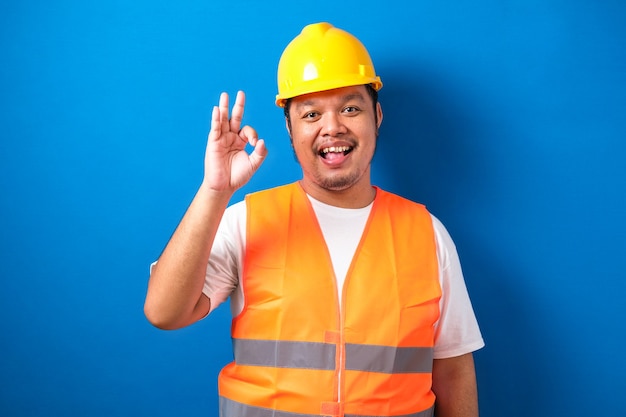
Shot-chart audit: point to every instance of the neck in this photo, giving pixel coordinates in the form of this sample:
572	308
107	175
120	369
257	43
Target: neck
356	196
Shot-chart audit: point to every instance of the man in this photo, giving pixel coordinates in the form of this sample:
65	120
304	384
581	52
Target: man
348	300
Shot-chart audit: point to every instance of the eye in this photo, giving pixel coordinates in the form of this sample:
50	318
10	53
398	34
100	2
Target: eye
351	109
310	115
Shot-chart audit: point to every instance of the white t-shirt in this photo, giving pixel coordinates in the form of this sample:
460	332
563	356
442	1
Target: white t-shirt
456	331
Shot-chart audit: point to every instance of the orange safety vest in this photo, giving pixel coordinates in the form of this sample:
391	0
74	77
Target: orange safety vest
297	353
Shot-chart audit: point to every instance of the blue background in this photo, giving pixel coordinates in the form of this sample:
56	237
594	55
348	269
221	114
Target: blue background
507	118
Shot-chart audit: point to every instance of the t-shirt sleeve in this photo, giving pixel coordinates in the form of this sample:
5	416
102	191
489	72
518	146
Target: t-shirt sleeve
457	331
222	274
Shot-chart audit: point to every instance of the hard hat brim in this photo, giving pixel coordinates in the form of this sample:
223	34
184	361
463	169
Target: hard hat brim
317	86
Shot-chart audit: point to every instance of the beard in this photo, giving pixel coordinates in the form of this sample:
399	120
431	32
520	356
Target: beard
338	182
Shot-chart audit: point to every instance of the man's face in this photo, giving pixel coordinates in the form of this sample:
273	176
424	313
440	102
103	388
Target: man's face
334	137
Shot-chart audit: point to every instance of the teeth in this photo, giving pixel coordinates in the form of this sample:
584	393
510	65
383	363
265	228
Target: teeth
336	149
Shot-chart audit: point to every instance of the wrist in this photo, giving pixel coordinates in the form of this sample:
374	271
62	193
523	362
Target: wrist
206	191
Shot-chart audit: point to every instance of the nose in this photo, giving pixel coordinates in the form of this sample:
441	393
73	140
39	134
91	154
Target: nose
332	125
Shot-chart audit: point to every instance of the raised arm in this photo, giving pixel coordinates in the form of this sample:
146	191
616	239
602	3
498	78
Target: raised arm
174	298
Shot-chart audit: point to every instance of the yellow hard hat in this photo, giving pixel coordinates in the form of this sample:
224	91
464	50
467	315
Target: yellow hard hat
320	58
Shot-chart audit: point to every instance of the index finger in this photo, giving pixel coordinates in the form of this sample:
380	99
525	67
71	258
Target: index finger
237	117
223	114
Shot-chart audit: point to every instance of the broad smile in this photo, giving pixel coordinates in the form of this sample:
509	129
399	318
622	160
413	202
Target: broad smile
333	151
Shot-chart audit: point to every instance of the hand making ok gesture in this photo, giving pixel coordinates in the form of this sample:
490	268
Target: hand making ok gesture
227	164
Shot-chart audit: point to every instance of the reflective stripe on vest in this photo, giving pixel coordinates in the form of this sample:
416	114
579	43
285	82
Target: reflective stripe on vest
230	408
309	355
306	355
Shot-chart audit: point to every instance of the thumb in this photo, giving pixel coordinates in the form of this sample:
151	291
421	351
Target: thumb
258	154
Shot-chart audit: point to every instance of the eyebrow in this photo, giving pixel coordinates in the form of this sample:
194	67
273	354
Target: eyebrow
349	97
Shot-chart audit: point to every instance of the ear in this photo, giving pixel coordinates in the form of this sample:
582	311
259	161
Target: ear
287	126
379	114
